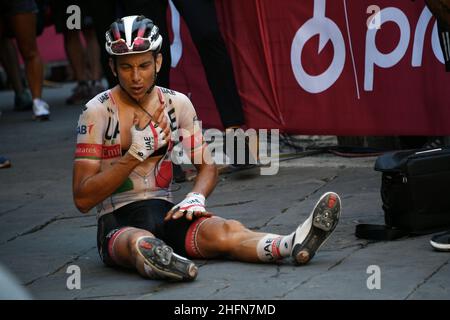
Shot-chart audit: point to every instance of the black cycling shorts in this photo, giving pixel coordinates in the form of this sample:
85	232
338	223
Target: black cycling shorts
147	215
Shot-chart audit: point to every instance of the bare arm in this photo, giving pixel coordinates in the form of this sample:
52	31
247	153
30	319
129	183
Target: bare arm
206	179
205	183
90	186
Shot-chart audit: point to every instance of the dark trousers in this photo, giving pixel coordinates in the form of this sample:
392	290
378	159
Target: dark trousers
201	19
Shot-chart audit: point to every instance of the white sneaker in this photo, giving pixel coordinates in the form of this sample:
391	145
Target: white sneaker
313	233
441	242
41	110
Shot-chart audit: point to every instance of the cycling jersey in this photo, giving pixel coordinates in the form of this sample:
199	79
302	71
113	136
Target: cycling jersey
98	140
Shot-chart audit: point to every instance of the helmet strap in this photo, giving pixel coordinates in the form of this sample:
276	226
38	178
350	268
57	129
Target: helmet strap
155	76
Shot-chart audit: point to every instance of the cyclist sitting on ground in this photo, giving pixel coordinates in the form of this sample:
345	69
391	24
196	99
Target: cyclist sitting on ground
123	166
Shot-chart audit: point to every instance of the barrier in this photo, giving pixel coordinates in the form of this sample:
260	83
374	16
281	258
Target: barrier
318	67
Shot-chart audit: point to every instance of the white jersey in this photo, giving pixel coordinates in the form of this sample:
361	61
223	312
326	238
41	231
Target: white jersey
98	140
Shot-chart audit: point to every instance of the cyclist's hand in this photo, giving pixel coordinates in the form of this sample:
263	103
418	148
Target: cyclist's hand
144	142
192	206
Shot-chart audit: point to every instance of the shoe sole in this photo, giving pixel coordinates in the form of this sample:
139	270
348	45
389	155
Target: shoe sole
41	118
5	165
325	218
440	247
22	109
161	259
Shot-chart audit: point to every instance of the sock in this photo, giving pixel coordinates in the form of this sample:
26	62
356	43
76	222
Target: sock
273	247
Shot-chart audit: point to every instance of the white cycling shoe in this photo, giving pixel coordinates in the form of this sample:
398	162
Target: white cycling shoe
313	233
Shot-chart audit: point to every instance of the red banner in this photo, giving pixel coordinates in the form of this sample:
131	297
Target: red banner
328	67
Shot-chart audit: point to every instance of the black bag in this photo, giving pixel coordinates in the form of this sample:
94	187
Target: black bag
415	191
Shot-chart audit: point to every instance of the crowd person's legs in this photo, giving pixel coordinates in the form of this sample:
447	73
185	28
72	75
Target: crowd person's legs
74	51
10	62
88	81
441	242
102	19
93	55
443	34
23	26
201	19
75	54
25	32
93	48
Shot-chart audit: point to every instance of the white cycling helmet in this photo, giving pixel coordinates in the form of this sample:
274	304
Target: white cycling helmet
132	34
